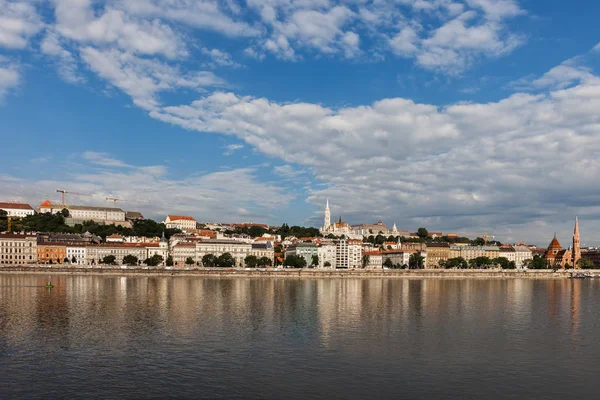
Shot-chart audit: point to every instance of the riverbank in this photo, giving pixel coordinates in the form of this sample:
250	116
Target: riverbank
298	273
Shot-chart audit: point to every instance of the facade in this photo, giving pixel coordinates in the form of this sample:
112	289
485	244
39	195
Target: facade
375	260
337	228
265	249
556	255
522	253
76	252
402	257
51	252
181	251
18	210
366	230
95	253
182	222
326	252
216	247
576	245
471	252
437	252
85	213
348	254
304	250
17	249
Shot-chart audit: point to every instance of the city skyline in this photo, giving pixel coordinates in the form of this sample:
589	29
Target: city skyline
474	115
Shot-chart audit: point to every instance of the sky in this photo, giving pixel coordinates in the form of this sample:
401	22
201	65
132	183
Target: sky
464	116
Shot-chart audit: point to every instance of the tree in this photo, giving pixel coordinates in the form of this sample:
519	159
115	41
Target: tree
315	260
65	213
365	260
478	242
585	263
256	231
502	262
74	260
457	262
110	260
388	263
422	233
130	259
416	261
511	265
327	264
538	262
209	260
189	261
278	249
295	261
154	261
225	260
66	260
480	262
3	213
264	262
251	261
169	261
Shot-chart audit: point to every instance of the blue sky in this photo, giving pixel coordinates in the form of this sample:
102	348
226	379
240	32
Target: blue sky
457	115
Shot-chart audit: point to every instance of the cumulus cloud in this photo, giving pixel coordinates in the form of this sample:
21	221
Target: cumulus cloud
229	196
18	22
9	77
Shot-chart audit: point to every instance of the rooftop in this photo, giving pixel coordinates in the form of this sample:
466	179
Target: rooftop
180	217
15	206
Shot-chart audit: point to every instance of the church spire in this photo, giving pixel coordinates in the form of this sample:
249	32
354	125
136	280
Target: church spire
327	219
576	244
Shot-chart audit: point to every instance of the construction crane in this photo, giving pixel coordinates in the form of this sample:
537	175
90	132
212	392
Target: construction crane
115	199
63	192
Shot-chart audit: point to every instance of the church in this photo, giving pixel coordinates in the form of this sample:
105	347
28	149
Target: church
557	256
337	228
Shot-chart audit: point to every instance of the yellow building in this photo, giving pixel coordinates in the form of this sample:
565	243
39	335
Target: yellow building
51	252
471	252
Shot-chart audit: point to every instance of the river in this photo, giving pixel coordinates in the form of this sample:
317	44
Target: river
285	338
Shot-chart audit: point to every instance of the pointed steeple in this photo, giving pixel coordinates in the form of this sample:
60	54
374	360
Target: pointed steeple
327	206
576	244
163	238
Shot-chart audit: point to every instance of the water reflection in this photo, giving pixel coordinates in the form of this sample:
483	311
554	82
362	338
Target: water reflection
259	331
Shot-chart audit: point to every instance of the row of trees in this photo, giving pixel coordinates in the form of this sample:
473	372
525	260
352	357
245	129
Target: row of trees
478	263
47	222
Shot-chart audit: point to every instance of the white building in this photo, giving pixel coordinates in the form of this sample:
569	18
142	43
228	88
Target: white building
375	260
304	250
518	254
326	253
95	253
17	209
337	228
348	254
216	247
182	251
17	249
85	213
182	222
77	252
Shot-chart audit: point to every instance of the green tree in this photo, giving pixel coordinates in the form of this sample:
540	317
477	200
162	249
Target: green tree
457	262
65	213
189	261
422	233
365	260
416	261
478	242
327	264
585	263
110	260
264	262
169	261
66	260
480	262
278	249
251	261
295	261
502	262
315	261
73	260
388	263
256	231
154	261
209	260
538	262
130	259
225	260
511	265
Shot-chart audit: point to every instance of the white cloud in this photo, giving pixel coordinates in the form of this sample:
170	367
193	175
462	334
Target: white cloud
18	22
229	196
66	61
232	148
219	58
9	78
104	160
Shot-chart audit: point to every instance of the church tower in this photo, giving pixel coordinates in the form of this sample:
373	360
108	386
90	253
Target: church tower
327	220
576	244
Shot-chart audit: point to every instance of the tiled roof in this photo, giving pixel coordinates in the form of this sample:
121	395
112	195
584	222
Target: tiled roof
180	217
554	244
16	206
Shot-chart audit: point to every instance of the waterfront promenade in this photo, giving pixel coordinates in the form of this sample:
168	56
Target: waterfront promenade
301	273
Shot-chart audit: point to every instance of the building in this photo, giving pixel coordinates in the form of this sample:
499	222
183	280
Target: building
326	252
304	250
17	249
348	253
366	230
576	244
471	252
76	253
78	214
265	249
522	254
437	252
402	257
218	247
96	253
133	216
182	251
181	222
51	252
374	259
337	228
556	255
18	210
115	238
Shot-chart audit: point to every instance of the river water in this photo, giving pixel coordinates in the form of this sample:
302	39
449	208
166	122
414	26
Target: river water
283	338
